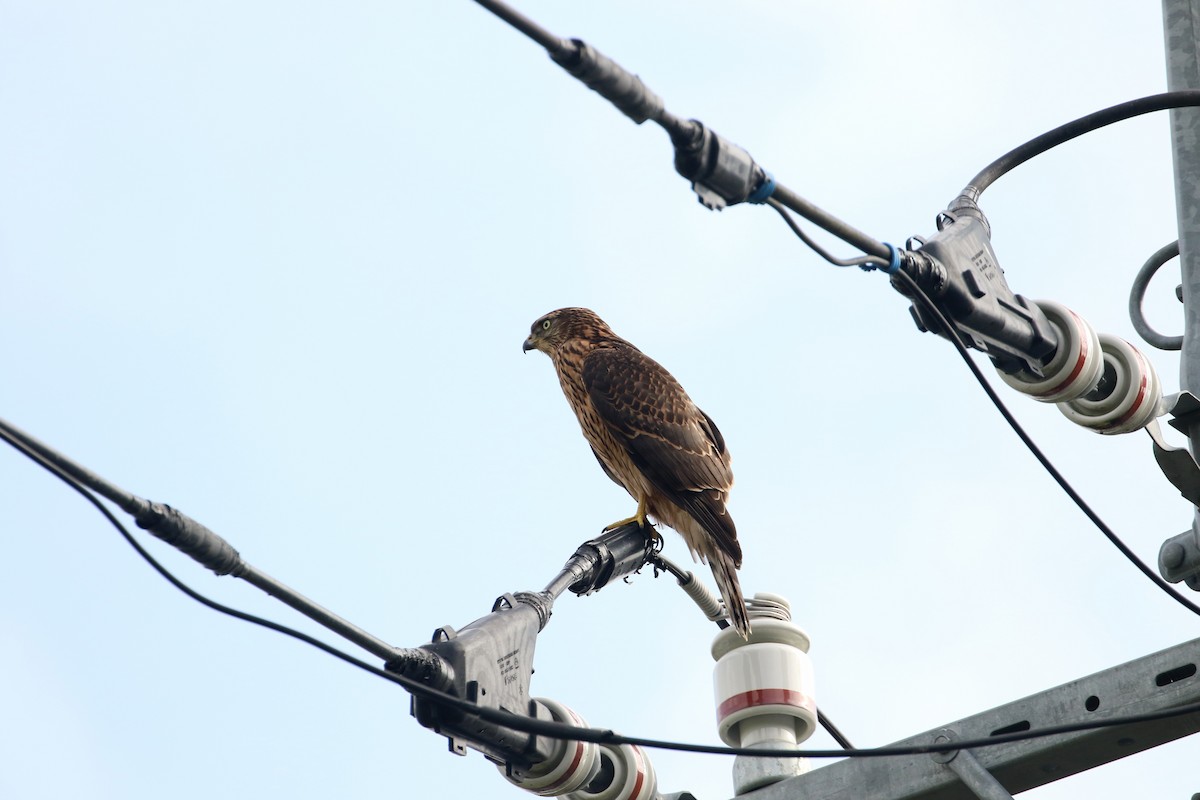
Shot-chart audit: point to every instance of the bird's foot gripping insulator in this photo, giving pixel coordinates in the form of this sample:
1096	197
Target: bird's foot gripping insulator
639	517
654	537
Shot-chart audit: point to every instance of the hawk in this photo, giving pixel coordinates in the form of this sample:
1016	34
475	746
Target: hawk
650	438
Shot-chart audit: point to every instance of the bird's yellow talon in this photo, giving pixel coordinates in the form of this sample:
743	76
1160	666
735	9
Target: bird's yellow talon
639	518
656	540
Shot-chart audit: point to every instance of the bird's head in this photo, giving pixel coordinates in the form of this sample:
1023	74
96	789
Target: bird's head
550	331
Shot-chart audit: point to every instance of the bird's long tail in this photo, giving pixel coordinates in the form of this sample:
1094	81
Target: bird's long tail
725	573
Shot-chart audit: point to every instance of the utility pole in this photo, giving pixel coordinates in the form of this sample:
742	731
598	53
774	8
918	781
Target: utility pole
999	772
1179	558
1181	23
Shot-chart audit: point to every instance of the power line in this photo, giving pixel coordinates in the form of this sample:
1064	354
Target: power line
981	181
1075	128
557	730
1037	451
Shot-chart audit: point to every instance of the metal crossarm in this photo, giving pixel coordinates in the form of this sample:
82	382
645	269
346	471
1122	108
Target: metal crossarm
1157	682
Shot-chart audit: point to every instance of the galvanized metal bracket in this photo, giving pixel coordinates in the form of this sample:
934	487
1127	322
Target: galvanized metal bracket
1164	680
963	764
1179	556
1183	410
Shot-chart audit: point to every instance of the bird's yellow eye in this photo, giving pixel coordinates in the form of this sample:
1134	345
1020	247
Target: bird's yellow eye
545	324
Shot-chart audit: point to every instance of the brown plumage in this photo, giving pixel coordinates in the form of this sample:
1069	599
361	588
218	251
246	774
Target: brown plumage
650	438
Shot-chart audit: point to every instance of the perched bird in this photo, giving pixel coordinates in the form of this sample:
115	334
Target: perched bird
650	438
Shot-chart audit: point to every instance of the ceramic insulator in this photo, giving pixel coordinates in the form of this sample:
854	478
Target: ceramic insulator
573	764
1076	365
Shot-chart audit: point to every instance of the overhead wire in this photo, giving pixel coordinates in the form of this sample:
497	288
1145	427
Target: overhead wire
1025	438
859	261
1075	128
558	730
983	180
1032	446
69	480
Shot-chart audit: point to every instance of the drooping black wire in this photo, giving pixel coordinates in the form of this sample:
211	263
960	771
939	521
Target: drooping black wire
560	730
981	181
1064	133
859	261
57	472
1032	446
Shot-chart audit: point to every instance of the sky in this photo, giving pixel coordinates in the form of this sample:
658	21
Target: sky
272	263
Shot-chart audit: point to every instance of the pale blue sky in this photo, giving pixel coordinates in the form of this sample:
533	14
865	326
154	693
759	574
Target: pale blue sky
272	264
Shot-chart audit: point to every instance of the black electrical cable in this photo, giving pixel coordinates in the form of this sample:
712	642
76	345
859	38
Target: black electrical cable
834	731
925	300
524	24
1064	133
983	180
560	730
1137	294
58	472
861	261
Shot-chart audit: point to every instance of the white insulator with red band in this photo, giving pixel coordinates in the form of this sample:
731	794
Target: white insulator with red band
572	765
765	694
632	778
1076	365
1128	396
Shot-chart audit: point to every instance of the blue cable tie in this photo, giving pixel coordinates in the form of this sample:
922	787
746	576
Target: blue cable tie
893	262
764	190
894	266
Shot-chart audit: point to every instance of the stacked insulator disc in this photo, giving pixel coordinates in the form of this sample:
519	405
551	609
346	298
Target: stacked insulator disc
1076	365
572	765
1098	381
1128	397
586	770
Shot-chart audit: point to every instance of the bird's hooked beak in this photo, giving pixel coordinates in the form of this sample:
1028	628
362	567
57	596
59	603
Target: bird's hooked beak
529	345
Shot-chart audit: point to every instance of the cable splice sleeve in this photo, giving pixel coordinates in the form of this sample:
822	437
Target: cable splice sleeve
610	80
186	534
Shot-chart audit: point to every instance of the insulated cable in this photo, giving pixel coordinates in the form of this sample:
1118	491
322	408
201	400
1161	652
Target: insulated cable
1137	294
970	195
721	173
866	262
1065	133
558	730
1033	448
57	471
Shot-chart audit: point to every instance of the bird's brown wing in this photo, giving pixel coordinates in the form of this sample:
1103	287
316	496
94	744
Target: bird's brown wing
607	471
672	442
